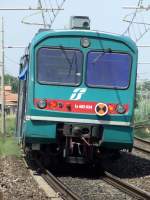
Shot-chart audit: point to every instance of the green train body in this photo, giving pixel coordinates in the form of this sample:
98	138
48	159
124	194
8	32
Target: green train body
77	94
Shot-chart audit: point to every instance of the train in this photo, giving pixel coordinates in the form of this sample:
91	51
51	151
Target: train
77	91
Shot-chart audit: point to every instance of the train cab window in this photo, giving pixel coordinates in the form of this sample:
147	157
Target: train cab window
59	66
108	70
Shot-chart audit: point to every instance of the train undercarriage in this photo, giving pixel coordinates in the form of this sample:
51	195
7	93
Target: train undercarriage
75	144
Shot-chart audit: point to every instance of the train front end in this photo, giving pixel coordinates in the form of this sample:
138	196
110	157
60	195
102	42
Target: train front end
81	94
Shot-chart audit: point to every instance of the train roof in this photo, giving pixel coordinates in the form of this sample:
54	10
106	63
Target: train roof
43	34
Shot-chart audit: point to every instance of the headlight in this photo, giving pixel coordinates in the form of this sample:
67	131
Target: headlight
42	103
120	109
85	42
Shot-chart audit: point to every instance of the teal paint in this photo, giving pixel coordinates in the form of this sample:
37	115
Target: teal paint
40	129
113	135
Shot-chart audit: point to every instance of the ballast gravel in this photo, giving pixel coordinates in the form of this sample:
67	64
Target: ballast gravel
16	183
94	188
132	167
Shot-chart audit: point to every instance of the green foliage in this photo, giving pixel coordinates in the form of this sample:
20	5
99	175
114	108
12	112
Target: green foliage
10	125
9	146
143	133
13	81
146	85
142	111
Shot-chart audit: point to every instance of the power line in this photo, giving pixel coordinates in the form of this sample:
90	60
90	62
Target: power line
143	46
138	8
55	12
134	15
49	13
15	47
40	5
29	9
137	27
144	63
11	60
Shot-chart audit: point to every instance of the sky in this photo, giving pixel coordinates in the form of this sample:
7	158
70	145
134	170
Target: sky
105	15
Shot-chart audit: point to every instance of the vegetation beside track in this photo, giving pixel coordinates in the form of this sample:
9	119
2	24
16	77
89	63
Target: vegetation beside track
143	133
8	144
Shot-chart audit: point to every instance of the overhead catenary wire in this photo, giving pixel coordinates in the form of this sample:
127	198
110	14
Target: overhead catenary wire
137	27
25	19
43	17
27	9
49	13
134	15
11	60
55	12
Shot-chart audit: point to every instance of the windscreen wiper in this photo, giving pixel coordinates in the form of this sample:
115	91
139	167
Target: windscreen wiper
69	61
109	50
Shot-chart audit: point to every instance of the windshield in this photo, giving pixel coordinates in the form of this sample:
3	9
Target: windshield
109	70
59	66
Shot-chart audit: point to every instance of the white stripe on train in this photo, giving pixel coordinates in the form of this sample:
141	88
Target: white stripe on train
85	121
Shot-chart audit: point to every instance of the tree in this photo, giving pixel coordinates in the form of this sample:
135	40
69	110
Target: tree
12	81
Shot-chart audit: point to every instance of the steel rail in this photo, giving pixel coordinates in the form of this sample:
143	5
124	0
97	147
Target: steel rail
125	187
63	191
142	149
142	124
144	142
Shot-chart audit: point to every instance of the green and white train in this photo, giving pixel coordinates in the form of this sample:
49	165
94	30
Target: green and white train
77	93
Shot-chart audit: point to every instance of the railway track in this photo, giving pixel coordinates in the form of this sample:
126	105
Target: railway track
142	124
142	145
125	187
62	190
65	193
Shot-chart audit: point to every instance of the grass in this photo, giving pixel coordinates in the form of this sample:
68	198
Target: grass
10	125
9	146
142	112
142	133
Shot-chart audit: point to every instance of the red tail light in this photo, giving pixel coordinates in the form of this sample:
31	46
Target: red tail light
53	104
60	105
68	106
112	108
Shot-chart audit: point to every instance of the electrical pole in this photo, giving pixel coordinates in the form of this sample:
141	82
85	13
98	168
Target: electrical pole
2	84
